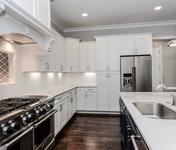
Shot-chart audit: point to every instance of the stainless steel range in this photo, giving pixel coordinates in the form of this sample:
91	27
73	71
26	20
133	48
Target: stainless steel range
26	123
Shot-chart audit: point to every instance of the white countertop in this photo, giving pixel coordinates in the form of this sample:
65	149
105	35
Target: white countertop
159	134
57	90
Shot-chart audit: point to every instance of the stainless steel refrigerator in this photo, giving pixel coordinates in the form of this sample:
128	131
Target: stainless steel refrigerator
136	73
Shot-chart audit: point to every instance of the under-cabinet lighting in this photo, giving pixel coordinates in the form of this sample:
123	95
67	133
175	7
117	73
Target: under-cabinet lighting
35	75
157	8
50	75
90	74
84	15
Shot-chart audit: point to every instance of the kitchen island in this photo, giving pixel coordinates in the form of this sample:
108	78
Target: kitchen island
158	134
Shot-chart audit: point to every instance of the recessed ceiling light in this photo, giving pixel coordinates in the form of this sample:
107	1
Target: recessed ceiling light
157	8
84	14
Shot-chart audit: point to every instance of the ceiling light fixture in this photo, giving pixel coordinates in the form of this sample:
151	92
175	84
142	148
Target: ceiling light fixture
157	8
84	14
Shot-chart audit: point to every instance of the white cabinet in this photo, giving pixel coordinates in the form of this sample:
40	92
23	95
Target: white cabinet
90	99
127	44
57	121
43	12
81	98
87	99
72	55
107	54
87	56
138	44
108	88
63	113
102	92
39	9
27	5
59	55
114	91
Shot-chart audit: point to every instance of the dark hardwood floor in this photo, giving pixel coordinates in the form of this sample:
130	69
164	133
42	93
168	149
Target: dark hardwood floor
90	133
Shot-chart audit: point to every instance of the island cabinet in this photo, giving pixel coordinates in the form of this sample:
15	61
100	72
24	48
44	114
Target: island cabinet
132	138
39	9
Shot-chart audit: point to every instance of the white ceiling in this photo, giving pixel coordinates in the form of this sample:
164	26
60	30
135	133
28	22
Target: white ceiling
107	12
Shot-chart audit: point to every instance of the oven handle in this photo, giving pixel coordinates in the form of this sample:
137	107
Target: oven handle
37	124
17	138
134	141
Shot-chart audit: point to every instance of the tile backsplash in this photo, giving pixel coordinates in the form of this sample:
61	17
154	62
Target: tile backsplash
4	67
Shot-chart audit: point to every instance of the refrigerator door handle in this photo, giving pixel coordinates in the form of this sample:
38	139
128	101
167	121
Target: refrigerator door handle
134	79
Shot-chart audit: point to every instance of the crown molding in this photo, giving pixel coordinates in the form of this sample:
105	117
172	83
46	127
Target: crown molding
121	26
57	23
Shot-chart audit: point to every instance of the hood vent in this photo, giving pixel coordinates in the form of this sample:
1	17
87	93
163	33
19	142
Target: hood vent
18	38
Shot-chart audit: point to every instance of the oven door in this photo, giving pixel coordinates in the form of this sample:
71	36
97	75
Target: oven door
22	142
44	133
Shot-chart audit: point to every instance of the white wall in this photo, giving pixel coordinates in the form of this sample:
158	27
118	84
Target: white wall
81	79
26	83
30	83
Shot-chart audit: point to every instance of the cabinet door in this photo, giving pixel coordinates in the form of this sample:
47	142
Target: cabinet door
90	101
27	5
63	114
101	54
74	104
43	12
114	54
127	45
57	120
81	98
114	91
59	58
72	55
91	56
102	92
69	108
83	57
144	44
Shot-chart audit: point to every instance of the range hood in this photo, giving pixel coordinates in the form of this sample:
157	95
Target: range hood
19	29
18	38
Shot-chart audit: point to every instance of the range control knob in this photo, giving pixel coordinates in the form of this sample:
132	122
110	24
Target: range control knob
49	106
25	119
37	112
14	125
7	130
31	117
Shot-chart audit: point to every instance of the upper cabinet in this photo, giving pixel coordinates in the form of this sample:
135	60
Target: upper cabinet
43	12
138	44
27	5
87	56
107	54
72	55
39	9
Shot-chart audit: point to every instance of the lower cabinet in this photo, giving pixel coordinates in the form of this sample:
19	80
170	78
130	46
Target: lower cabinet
87	99
66	106
108	89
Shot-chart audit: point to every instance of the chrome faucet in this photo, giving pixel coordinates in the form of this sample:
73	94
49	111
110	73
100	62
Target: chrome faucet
173	100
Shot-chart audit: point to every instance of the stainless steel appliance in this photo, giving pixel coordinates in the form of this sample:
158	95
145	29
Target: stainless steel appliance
136	73
26	123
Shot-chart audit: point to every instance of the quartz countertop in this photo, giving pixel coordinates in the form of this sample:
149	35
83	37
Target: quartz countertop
159	134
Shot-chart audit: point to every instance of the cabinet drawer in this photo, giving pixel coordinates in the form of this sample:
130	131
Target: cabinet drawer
94	90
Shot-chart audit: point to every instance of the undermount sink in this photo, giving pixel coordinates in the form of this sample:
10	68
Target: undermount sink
155	110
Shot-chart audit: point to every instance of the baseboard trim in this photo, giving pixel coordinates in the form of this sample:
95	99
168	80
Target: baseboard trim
99	112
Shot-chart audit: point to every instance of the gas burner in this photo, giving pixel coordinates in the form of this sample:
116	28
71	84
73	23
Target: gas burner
10	104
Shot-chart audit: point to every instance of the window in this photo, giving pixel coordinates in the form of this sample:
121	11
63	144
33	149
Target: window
4	68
